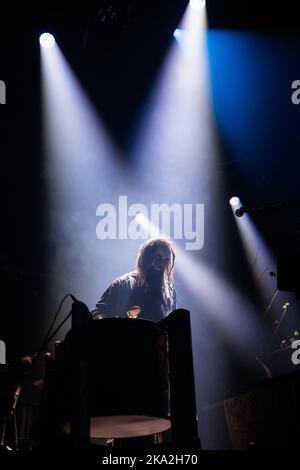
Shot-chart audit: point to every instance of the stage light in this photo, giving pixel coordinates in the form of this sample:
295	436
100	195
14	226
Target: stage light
240	211
234	201
140	218
177	33
197	4
47	40
260	259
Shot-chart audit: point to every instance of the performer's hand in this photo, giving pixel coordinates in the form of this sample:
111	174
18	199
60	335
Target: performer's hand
26	361
99	317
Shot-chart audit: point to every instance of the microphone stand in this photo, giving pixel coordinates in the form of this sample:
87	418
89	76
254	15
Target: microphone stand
76	414
80	418
45	345
79	328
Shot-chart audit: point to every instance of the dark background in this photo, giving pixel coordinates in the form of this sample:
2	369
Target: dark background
257	124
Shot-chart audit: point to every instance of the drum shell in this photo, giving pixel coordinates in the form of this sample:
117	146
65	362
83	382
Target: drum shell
127	370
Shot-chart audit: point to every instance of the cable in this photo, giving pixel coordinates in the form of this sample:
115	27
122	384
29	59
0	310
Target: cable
269	306
57	329
285	308
46	339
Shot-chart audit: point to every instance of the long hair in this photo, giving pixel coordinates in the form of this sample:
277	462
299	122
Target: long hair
144	260
145	256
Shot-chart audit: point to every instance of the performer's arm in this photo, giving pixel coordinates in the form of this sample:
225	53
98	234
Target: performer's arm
109	303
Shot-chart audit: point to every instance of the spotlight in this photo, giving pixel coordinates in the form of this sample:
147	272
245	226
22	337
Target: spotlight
177	33
197	4
240	211
140	218
47	40
235	201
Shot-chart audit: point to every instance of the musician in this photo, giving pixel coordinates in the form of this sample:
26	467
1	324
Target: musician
149	288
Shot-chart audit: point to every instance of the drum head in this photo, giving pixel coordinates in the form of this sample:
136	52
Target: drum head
128	381
125	426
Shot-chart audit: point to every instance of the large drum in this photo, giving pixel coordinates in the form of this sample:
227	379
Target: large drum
127	378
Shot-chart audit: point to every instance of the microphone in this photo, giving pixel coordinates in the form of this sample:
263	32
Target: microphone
78	305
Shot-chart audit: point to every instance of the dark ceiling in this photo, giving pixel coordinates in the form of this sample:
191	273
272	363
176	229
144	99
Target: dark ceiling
123	17
132	14
253	14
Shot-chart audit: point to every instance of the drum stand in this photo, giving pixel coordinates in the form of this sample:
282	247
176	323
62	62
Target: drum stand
11	418
80	419
184	421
